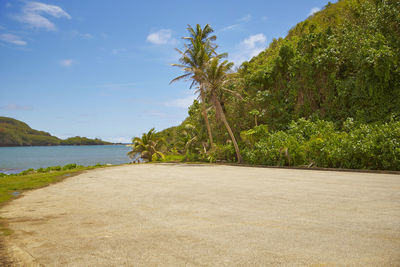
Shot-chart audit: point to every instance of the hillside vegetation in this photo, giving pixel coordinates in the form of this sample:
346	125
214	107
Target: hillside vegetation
327	95
17	133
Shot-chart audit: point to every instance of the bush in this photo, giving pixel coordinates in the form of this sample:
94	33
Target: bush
41	170
173	157
56	168
28	171
69	166
356	146
223	152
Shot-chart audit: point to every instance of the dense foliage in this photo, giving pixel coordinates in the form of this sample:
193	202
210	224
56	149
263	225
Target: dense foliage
147	147
17	133
328	95
320	143
341	62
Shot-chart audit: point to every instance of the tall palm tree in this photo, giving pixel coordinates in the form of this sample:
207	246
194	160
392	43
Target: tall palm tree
197	53
146	147
216	78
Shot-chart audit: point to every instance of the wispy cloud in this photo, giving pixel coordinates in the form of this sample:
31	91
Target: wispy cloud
245	18
33	14
239	22
161	37
67	62
15	107
313	11
184	102
230	27
249	48
12	39
77	34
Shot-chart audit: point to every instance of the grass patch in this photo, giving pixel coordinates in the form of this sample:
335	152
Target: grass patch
173	157
12	186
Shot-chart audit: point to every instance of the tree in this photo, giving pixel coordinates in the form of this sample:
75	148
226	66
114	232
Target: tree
216	77
146	147
193	60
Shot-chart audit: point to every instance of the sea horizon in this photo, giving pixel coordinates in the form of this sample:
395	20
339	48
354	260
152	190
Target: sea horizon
18	158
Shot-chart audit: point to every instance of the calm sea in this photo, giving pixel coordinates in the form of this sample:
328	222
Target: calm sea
16	159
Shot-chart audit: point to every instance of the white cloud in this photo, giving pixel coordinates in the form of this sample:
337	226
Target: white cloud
67	62
75	34
254	40
240	22
314	10
249	48
161	37
12	39
230	27
33	14
181	102
245	18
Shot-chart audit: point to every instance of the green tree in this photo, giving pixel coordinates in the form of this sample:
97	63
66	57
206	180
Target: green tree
148	147
216	77
193	60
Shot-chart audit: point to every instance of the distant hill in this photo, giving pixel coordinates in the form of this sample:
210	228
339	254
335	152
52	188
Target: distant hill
17	133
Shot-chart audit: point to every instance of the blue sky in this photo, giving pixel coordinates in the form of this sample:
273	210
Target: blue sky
101	68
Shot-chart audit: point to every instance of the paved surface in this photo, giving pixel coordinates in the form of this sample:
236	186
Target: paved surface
202	215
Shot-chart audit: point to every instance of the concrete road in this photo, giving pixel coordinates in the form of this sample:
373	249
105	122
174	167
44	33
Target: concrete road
205	215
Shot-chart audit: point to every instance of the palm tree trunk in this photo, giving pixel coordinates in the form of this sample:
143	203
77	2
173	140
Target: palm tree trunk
221	113
204	111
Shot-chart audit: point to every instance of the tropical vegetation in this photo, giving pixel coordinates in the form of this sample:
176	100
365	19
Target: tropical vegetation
147	147
326	95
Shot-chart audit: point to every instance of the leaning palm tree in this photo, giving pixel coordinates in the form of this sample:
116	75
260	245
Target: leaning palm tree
146	147
216	78
193	59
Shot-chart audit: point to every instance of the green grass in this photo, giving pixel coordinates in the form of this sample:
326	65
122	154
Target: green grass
173	158
16	184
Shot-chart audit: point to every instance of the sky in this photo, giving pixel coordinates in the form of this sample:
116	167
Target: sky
101	69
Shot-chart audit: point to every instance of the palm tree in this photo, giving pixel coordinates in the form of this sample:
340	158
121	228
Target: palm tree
193	60
146	147
216	77
189	137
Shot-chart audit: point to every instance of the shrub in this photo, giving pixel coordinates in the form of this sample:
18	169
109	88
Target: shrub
223	152
41	170
56	168
28	171
357	146
69	166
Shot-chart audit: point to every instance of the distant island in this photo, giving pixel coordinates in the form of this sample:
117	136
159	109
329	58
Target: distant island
17	133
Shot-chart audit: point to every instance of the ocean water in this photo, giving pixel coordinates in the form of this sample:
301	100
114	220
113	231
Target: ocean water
16	159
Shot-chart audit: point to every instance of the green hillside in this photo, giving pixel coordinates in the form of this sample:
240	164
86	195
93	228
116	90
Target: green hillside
341	62
17	133
328	95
